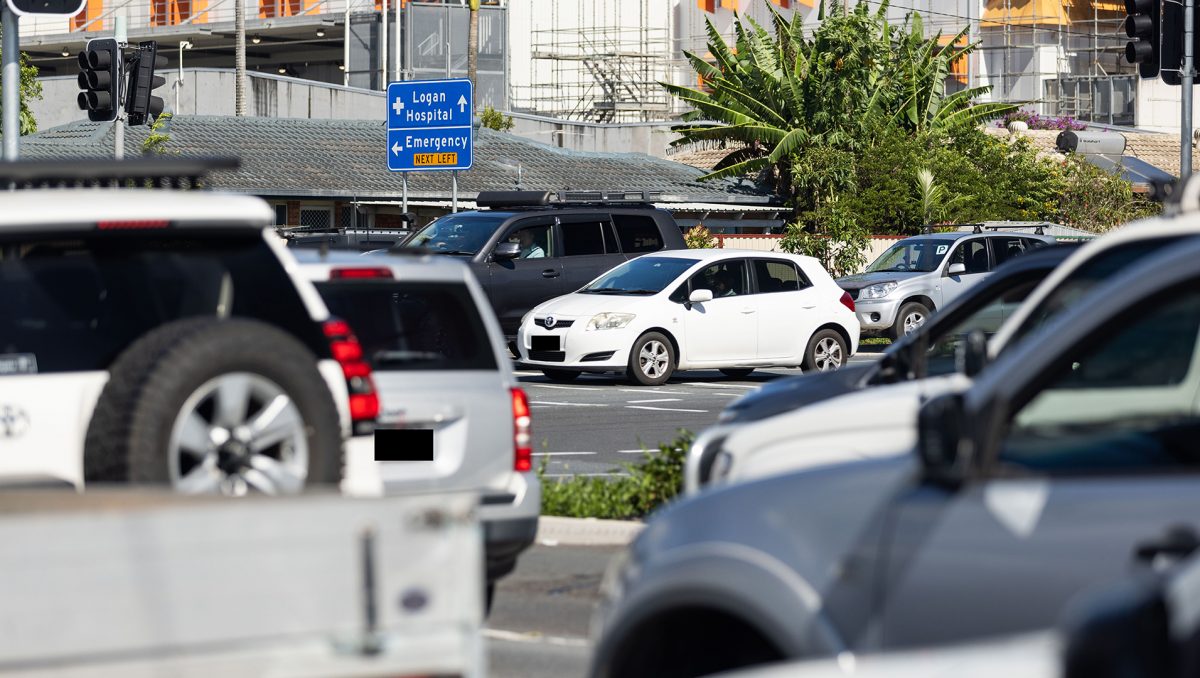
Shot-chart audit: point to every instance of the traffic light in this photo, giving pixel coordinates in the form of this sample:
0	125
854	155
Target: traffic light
100	79
142	105
1142	25
1170	48
47	7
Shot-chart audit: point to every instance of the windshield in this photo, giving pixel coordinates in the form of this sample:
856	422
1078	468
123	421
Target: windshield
456	233
641	276
922	255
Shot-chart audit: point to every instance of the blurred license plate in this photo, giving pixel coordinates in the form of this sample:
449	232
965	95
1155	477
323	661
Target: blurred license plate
403	444
544	343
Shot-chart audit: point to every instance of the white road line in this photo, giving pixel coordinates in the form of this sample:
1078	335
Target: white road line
656	400
525	373
660	409
727	394
652	390
706	385
566	388
631	451
515	637
561	454
551	402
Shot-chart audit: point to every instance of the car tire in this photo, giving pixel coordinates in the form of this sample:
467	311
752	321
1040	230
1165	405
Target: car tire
658	363
911	316
563	376
737	373
826	352
220	375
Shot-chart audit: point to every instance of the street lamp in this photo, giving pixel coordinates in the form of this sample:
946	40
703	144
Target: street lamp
183	44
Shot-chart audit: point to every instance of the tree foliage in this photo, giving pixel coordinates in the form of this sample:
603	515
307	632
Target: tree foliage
30	90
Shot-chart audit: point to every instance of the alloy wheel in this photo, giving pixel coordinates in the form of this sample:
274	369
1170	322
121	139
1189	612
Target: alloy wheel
827	355
653	359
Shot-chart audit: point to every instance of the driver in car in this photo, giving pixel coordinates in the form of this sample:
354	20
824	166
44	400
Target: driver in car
529	248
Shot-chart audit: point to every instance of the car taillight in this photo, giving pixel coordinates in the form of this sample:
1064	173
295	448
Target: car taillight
522	432
344	346
360	273
131	224
847	301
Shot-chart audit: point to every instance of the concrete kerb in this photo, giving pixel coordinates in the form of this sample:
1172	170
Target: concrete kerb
558	531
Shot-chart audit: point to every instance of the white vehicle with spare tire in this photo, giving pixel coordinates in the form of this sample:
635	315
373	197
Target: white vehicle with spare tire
163	337
694	309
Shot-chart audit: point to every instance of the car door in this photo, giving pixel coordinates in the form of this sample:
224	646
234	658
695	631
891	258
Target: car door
1089	475
723	331
516	285
974	255
789	308
589	248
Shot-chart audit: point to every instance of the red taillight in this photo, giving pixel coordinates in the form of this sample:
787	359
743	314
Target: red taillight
522	432
847	301
359	273
345	349
120	224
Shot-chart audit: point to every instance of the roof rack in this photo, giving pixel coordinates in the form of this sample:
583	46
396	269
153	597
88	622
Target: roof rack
1038	226
495	199
153	172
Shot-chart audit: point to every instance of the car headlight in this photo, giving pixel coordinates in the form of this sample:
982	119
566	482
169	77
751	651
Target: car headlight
609	321
878	291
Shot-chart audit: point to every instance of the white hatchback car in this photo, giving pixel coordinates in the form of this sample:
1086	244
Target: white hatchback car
716	309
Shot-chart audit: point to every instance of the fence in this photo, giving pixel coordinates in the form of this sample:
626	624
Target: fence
876	244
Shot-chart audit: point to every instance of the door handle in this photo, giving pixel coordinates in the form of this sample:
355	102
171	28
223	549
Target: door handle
747	310
1179	541
809	308
549	273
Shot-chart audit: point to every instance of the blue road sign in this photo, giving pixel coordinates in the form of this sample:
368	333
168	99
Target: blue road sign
429	125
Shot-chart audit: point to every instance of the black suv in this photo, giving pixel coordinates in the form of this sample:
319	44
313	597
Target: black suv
529	246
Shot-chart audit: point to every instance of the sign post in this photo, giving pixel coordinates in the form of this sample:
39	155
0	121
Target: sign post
429	127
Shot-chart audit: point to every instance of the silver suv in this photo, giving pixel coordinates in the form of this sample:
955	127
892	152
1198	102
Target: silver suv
919	275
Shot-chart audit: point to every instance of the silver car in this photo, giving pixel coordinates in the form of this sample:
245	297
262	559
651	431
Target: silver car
919	275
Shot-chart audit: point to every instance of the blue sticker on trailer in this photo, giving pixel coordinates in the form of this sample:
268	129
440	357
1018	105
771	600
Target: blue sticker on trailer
429	125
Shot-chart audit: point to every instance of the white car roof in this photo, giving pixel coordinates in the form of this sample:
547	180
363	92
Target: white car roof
718	254
42	210
1157	227
414	267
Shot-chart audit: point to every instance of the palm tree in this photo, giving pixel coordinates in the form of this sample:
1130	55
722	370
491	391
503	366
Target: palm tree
473	53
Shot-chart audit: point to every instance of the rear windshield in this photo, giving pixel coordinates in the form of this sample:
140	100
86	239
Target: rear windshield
72	304
412	326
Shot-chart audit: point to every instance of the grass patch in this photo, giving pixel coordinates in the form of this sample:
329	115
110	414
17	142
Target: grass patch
875	341
650	484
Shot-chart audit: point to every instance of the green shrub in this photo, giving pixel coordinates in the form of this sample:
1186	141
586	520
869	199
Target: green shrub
699	238
650	484
493	119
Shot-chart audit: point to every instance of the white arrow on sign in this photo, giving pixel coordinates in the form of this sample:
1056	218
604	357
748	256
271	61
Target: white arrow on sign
396	147
462	103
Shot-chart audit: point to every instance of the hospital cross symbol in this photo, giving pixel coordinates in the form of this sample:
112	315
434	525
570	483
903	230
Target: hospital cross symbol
397	105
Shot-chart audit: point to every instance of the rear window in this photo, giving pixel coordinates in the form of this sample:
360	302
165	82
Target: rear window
412	326
637	233
75	304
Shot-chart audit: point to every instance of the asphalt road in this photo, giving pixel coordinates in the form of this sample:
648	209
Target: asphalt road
597	423
538	627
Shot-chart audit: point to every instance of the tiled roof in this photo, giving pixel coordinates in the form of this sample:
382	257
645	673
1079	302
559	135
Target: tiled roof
1160	150
346	158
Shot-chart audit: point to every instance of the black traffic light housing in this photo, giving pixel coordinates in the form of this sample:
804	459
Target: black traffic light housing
100	79
47	7
1170	60
1143	25
142	106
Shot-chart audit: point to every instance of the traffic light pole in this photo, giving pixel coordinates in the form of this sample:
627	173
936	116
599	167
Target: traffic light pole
1187	78
122	35
10	98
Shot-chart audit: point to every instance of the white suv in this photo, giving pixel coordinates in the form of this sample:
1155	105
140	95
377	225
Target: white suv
442	371
162	337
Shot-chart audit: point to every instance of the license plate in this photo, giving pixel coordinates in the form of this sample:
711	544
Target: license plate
544	343
404	444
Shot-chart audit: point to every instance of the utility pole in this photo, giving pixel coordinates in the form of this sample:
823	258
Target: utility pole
1188	78
122	36
10	99
239	59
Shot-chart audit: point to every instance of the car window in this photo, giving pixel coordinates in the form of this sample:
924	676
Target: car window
1081	281
637	233
724	279
972	254
778	276
536	242
921	254
411	325
641	276
1007	247
1128	399
583	237
462	234
943	349
75	304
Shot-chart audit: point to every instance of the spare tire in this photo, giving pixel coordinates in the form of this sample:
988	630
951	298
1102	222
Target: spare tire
215	406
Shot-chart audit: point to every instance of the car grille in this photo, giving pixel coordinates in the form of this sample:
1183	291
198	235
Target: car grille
548	356
541	322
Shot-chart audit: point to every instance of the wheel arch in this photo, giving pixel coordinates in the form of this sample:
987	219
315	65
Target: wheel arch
920	299
836	327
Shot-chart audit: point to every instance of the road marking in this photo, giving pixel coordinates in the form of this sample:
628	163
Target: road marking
652	390
700	383
526	373
656	400
561	454
551	402
660	409
727	394
515	637
567	388
631	451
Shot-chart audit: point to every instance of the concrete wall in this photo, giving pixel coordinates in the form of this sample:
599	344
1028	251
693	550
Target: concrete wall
1158	106
650	138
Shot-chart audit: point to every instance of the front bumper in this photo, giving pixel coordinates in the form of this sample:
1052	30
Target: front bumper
876	315
579	349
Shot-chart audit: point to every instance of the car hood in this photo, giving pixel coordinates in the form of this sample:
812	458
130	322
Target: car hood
857	282
577	305
787	394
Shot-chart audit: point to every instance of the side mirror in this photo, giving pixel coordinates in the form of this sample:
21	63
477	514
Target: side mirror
939	437
700	296
506	250
956	269
972	353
